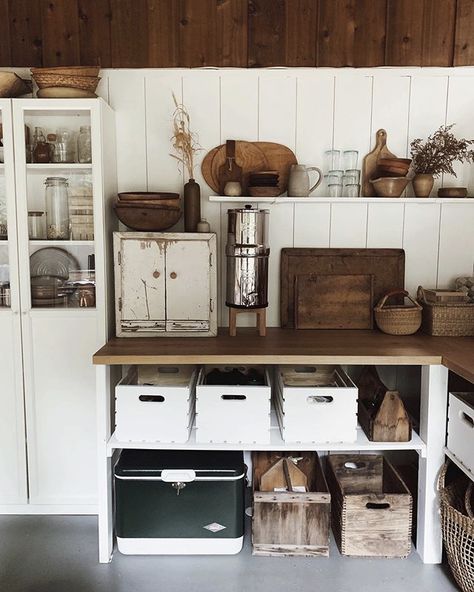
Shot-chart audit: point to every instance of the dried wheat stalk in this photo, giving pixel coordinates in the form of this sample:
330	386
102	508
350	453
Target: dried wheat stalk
184	141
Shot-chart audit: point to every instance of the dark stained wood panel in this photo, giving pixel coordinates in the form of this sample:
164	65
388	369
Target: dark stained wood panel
5	47
267	33
60	32
163	23
301	32
94	32
404	32
129	33
232	40
198	33
464	34
352	33
438	32
25	33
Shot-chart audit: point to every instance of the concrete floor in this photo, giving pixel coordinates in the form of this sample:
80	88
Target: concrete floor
59	554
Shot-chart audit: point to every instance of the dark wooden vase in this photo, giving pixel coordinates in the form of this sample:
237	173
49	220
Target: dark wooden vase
192	205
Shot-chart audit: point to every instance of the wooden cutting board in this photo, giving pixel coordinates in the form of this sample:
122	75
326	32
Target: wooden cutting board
386	265
334	301
206	169
248	156
369	165
230	170
279	158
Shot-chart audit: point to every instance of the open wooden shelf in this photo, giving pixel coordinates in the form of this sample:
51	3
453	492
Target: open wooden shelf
322	199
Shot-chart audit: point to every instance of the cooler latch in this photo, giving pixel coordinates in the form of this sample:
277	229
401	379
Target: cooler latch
178	478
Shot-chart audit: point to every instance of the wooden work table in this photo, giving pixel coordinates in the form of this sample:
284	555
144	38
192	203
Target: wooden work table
288	346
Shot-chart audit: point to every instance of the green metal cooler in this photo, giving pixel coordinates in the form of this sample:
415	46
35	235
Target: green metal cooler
179	502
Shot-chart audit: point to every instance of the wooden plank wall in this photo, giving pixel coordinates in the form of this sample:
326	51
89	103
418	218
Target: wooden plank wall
238	33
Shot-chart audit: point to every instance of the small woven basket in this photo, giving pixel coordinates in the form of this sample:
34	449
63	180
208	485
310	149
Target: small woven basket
457	528
46	80
449	320
398	319
68	70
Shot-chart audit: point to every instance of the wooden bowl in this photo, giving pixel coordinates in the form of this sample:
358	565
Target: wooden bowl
393	167
148	218
390	186
452	192
147	198
264	191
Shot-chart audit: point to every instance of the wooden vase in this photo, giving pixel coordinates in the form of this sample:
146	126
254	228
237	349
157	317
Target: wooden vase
192	205
422	184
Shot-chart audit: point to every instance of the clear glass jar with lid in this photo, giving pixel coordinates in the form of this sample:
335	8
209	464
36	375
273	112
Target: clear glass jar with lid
84	144
57	208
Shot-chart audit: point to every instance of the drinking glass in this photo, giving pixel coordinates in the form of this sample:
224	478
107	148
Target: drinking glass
336	173
350	158
332	159
335	190
354	174
351	190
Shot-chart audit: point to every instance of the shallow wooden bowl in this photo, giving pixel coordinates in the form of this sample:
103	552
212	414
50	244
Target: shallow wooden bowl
452	192
390	186
264	191
149	198
149	218
393	167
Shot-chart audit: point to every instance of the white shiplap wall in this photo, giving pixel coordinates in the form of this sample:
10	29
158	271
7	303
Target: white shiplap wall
309	110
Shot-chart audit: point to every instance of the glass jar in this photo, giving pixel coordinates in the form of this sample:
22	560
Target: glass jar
64	149
36	225
84	145
57	208
41	149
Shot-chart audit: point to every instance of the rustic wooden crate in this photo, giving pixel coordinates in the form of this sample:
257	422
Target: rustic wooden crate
371	506
291	523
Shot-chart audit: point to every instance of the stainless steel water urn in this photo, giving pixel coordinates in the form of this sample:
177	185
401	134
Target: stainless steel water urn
247	254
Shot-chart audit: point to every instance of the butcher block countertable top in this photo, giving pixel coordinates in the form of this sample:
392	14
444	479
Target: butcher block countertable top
288	346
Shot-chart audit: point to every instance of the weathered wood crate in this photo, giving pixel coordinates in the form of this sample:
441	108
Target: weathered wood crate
371	506
290	522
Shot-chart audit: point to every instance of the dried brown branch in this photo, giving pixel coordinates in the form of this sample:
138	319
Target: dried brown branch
184	141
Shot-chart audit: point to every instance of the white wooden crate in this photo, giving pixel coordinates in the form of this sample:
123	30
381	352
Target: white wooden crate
309	411
161	412
233	414
461	428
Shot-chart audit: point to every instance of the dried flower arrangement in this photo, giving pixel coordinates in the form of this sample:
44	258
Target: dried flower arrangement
184	141
438	153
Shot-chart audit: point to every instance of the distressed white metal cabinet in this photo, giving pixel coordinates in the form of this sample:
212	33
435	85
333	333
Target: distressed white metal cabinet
165	284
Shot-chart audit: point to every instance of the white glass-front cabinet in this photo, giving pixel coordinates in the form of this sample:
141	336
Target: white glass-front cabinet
64	222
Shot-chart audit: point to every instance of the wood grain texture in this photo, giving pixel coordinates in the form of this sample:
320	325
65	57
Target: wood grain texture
351	33
301	32
94	32
60	31
438	32
198	33
25	33
232	40
129	33
5	44
267	32
404	32
464	33
163	23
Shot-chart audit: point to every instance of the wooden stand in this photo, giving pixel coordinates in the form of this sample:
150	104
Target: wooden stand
261	319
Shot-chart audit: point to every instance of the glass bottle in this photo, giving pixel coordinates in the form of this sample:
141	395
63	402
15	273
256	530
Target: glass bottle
41	150
84	145
57	208
65	148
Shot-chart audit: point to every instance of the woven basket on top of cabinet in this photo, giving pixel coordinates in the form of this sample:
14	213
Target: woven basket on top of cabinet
457	524
447	319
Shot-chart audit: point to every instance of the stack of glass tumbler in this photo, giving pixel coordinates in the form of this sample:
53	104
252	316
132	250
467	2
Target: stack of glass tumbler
342	176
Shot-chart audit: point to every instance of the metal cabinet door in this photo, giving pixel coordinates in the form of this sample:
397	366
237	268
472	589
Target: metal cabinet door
188	290
142	274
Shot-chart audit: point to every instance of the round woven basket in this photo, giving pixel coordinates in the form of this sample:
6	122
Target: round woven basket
457	525
68	70
46	80
398	319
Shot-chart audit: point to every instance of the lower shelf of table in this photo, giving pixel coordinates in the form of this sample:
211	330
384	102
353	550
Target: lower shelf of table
276	443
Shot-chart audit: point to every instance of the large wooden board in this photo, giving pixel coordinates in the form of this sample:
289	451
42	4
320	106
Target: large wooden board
333	301
279	158
386	265
248	156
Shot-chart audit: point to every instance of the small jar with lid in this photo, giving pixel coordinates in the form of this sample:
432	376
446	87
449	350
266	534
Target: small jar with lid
84	144
36	225
57	208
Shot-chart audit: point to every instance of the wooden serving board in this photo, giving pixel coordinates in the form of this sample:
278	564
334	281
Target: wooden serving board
248	156
386	265
369	165
334	301
279	158
206	169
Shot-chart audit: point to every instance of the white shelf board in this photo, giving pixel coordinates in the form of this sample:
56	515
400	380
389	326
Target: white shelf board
61	311
276	443
57	165
60	243
458	463
284	199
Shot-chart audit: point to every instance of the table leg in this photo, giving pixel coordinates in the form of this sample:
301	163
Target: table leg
434	394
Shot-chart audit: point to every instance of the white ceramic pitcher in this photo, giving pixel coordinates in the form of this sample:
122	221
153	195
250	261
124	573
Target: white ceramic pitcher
298	183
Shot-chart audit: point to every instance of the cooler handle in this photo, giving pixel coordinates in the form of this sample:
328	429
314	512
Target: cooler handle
233	397
312	399
178	475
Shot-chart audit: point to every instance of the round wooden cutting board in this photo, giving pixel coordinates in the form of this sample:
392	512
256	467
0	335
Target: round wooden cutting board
247	155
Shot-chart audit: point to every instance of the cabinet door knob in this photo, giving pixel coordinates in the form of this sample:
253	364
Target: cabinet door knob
173	275
156	274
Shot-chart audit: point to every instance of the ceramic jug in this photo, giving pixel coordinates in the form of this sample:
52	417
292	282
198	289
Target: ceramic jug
298	183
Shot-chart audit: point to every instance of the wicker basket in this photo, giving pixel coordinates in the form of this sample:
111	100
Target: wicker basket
45	80
449	320
68	70
457	528
398	319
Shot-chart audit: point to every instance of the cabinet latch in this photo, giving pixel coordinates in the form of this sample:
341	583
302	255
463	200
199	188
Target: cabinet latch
211	305
210	259
119	257
120	304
